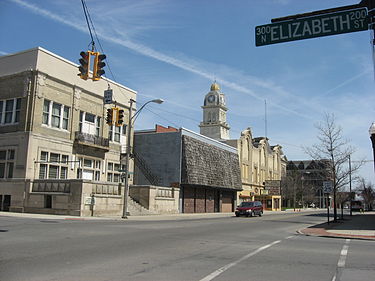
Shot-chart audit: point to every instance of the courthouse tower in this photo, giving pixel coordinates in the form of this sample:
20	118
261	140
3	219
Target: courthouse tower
214	123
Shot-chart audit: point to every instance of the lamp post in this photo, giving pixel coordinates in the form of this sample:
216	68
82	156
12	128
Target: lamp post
125	212
372	137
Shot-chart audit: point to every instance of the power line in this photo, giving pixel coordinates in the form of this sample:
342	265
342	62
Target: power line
86	12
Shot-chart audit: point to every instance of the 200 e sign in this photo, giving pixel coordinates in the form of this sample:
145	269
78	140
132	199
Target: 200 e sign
317	26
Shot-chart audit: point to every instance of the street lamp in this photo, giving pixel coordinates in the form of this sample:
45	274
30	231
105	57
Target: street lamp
125	212
372	137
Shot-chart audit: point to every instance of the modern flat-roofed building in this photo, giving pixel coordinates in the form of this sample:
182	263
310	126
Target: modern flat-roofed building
57	154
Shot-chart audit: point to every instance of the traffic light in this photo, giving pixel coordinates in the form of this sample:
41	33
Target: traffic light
120	118
109	118
98	66
84	65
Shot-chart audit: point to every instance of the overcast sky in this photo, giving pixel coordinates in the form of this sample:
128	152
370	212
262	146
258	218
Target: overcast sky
175	49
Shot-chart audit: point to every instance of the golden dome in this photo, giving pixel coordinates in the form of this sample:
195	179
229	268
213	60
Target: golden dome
215	87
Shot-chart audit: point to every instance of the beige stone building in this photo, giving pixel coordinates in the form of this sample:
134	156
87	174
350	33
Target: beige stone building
57	154
262	168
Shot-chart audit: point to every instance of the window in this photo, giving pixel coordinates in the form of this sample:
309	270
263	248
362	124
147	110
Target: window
55	115
116	132
90	117
10	111
113	174
89	169
65	118
53	165
9	104
18	110
97	132
46	112
7	159
80	120
89	123
110	133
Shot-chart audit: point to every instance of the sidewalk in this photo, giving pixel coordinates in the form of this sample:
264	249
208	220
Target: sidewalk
358	226
179	216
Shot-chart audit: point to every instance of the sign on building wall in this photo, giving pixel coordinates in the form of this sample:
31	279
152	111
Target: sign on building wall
273	187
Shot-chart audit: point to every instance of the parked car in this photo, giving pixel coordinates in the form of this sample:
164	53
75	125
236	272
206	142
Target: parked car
357	206
251	208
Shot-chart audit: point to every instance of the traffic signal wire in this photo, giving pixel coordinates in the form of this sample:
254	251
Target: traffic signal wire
86	12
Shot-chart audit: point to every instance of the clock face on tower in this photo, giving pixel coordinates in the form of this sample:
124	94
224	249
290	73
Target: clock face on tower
211	98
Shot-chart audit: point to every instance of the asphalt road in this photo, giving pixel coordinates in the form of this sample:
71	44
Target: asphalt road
214	248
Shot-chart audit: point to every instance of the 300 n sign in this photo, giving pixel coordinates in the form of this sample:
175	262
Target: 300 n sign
311	27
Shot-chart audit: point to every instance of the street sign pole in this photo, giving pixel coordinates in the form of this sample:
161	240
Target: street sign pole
327	195
327	189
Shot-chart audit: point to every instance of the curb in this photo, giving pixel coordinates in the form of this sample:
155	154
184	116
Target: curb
326	234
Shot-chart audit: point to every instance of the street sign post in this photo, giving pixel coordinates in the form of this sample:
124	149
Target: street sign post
311	27
327	187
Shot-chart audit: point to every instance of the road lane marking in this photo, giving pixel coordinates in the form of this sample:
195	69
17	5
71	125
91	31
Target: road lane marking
226	267
342	260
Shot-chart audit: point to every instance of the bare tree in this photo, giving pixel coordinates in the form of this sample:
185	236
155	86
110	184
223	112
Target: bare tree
367	191
333	147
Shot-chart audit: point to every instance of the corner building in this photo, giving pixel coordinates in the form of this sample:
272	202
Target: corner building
57	154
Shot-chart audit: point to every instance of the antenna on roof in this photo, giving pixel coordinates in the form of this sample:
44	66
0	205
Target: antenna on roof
265	118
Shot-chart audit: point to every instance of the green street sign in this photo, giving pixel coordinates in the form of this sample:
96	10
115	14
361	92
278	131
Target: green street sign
311	27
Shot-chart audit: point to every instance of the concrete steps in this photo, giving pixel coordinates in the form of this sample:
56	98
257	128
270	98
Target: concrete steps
136	209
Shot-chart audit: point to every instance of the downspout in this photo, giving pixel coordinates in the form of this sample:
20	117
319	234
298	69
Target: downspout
27	102
28	92
36	88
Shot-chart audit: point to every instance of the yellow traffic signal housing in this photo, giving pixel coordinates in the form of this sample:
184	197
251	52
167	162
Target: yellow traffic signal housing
120	118
98	66
109	118
84	68
84	65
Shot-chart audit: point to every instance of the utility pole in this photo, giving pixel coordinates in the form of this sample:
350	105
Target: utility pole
125	211
350	185
372	137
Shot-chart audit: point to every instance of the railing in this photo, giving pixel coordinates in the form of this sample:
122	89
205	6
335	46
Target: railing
67	185
91	139
142	165
106	189
165	192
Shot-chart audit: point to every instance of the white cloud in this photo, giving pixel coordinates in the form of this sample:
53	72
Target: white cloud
188	64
